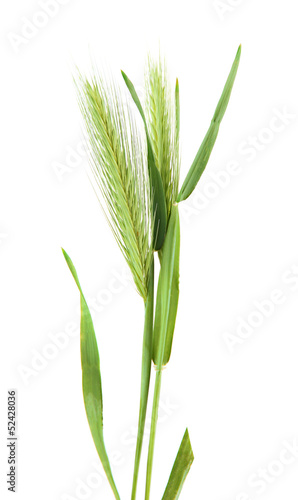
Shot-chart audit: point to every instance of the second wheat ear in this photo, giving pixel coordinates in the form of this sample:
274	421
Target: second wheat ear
137	184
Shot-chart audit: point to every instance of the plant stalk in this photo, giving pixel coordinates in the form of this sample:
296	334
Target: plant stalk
154	418
145	376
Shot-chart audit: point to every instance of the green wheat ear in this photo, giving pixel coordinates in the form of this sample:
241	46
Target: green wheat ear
162	115
119	169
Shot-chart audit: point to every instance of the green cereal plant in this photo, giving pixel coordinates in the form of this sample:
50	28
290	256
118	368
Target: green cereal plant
137	181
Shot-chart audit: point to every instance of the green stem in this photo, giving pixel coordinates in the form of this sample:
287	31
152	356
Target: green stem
154	418
145	377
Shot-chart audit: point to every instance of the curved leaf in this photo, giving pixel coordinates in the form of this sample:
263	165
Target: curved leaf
202	156
91	379
159	202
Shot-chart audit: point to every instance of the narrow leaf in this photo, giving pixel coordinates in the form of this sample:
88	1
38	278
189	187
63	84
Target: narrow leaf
145	376
202	156
135	97
167	293
225	96
159	203
180	469
200	162
91	380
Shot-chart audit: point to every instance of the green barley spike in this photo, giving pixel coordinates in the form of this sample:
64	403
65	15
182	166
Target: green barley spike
119	171
162	118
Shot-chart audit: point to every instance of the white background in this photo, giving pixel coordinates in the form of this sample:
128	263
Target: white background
239	245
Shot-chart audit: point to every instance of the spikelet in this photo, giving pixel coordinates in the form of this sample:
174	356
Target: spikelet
161	119
119	170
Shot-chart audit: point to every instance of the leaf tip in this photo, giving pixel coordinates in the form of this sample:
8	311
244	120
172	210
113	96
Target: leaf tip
187	438
239	52
124	75
65	254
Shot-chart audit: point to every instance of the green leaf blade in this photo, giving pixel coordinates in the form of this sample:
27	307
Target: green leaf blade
159	205
225	96
157	191
199	163
91	379
204	152
180	469
135	97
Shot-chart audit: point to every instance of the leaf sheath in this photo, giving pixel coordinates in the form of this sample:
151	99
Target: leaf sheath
167	293
161	339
